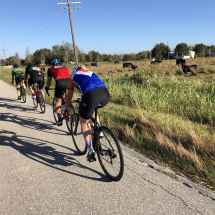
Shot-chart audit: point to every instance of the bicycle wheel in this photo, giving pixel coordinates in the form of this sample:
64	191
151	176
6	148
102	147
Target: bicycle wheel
42	102
54	110
110	155
68	117
35	100
77	134
23	95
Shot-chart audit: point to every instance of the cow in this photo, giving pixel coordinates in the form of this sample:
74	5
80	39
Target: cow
94	64
134	67
180	61
127	65
156	61
116	61
87	64
187	69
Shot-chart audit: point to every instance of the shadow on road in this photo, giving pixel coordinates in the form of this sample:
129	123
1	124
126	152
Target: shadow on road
32	123
41	151
16	105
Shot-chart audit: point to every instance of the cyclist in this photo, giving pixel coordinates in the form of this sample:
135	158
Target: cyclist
36	76
19	78
61	76
93	91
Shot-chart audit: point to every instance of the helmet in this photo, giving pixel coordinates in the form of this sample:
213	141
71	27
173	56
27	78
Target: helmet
31	64
55	62
77	67
15	65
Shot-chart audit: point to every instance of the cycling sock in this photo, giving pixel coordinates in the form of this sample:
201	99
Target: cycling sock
89	145
18	93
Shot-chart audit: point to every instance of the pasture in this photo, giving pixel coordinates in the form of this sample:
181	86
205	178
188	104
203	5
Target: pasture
162	113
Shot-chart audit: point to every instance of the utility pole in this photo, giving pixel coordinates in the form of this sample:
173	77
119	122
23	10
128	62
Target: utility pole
70	17
4	55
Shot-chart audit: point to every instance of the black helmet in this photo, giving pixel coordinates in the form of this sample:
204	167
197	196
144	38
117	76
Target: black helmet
31	64
55	62
15	65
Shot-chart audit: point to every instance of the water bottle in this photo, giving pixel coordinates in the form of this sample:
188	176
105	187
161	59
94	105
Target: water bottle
92	131
63	107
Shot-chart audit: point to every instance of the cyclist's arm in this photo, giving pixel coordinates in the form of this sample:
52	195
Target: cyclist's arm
69	97
12	78
26	77
49	79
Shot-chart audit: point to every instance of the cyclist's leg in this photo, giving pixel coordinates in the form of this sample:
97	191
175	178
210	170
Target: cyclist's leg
41	85
17	87
30	82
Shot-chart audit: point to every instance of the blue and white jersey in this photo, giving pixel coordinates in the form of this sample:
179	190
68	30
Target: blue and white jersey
85	81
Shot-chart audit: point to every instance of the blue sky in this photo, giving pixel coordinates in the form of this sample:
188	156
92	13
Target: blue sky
114	26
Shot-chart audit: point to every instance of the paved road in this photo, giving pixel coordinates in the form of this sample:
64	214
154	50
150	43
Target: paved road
41	173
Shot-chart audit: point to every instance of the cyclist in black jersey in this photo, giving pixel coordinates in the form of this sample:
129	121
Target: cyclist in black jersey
36	76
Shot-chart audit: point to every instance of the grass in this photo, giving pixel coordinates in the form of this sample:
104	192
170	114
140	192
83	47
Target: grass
163	114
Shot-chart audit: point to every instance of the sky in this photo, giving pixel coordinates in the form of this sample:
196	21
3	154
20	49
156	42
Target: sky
109	27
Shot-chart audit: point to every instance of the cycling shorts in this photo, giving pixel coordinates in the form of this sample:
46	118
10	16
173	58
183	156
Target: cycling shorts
19	78
36	79
60	87
90	99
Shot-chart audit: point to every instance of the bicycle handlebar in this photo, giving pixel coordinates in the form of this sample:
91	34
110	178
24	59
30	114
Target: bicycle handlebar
76	100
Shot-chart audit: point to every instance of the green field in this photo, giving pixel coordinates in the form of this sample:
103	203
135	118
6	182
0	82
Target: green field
162	113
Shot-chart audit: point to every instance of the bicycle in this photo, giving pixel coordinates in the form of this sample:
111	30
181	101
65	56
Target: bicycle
107	147
65	113
39	98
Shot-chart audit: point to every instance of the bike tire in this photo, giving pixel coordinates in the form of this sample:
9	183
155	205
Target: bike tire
77	135
23	95
68	119
35	102
42	102
110	155
54	110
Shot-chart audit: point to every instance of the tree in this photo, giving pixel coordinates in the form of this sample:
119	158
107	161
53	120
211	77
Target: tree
28	56
17	58
125	57
200	50
39	53
160	51
212	48
115	57
132	56
182	49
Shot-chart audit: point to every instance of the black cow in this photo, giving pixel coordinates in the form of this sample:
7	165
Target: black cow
180	61
127	65
94	64
156	61
134	67
187	69
116	61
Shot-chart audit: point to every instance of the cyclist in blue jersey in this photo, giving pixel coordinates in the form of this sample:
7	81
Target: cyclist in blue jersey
93	91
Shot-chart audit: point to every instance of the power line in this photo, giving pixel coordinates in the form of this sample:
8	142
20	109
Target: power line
21	38
44	28
4	54
35	29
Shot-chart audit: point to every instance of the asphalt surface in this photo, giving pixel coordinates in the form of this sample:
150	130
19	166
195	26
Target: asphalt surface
41	172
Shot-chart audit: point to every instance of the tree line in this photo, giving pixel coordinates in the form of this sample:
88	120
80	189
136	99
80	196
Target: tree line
65	54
